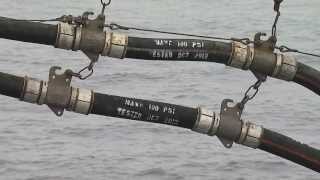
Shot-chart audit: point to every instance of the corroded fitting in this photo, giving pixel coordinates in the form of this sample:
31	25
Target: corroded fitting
35	91
250	135
207	123
77	39
65	36
277	65
32	90
43	94
80	101
285	68
242	55
115	45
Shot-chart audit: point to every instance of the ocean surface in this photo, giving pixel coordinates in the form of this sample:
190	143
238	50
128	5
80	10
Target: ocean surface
36	145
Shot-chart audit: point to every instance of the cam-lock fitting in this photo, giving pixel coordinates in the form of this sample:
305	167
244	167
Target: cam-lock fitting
82	33
57	93
229	127
261	58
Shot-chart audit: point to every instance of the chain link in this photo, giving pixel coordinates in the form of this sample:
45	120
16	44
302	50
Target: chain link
252	91
81	75
276	9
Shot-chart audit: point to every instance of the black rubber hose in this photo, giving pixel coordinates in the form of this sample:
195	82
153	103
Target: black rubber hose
28	31
290	149
151	48
175	115
143	110
178	49
308	77
11	85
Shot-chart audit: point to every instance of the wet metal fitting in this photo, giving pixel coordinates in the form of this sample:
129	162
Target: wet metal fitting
32	90
43	95
115	45
230	123
207	123
66	36
242	55
81	101
77	40
250	135
285	68
57	93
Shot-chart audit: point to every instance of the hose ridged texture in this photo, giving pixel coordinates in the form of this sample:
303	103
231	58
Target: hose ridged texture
290	149
308	77
11	85
28	31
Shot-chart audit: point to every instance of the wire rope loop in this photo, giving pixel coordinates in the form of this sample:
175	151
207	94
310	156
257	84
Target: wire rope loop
104	3
114	26
83	77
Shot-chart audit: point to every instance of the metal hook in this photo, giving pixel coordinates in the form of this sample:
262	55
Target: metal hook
90	72
104	5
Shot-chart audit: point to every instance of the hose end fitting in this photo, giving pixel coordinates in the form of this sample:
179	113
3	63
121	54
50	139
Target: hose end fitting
250	135
66	36
57	94
242	56
115	45
229	127
34	91
80	101
285	68
264	61
207	122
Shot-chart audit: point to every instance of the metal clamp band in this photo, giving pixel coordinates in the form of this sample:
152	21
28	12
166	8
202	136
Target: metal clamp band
73	99
215	125
65	36
278	65
107	45
250	57
81	101
43	95
250	135
205	121
288	68
32	90
244	133
115	45
77	39
242	56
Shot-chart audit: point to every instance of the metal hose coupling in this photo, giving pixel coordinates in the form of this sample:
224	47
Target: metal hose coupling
207	122
285	67
90	38
263	60
115	45
228	127
57	93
